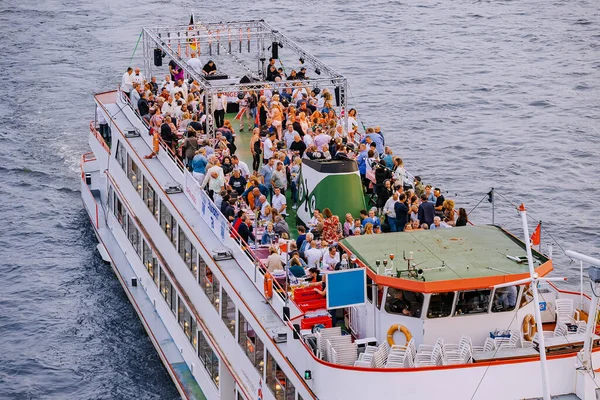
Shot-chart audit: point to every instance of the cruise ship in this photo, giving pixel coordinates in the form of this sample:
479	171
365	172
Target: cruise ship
461	313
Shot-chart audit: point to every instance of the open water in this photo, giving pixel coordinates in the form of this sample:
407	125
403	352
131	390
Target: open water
472	94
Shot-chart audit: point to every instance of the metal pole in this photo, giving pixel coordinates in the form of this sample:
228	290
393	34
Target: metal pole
587	347
374	292
538	315
581	285
493	210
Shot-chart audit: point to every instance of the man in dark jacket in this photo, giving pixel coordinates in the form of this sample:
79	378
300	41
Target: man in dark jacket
245	231
426	211
401	210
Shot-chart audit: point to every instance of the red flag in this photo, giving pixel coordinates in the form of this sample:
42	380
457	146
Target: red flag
240	113
535	237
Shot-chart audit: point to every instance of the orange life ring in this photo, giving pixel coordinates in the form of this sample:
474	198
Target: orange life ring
400	328
268	286
529	328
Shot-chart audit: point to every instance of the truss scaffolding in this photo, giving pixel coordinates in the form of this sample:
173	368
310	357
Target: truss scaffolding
243	49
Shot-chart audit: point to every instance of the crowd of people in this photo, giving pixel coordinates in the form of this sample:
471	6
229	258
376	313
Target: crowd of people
289	122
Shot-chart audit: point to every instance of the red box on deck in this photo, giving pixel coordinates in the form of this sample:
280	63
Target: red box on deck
312	305
308	323
302	295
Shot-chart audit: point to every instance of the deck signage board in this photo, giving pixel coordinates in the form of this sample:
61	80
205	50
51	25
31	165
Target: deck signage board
207	209
346	288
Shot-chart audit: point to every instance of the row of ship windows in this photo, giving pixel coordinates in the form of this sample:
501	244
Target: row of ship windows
275	378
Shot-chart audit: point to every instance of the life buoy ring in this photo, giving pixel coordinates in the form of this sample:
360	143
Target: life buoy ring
268	286
400	328
529	328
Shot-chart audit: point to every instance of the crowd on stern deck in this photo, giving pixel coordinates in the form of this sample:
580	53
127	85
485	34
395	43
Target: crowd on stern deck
288	122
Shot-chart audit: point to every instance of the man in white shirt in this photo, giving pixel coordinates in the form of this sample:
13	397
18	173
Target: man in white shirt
168	83
134	96
313	255
390	213
279	201
167	107
195	63
127	82
331	258
264	203
289	134
240	165
268	148
309	138
220	106
138	77
322	139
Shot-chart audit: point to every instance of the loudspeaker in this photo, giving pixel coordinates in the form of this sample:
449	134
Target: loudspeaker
296	331
286	313
158	57
337	96
275	50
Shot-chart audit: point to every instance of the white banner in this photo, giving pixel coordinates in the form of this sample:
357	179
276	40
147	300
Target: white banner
204	205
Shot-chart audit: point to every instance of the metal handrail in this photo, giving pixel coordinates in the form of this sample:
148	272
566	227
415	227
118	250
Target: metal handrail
99	137
163	144
243	245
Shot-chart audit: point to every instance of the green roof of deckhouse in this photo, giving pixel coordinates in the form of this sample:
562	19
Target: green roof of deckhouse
466	252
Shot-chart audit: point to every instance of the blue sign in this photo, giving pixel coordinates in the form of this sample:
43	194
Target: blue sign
543	306
346	288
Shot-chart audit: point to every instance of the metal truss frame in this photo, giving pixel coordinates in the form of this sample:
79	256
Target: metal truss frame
252	34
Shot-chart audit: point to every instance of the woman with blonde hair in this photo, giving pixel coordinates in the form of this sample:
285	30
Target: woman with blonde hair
368	229
274	260
303	122
277	116
448	210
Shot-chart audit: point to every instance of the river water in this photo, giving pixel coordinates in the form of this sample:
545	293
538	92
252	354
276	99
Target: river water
472	95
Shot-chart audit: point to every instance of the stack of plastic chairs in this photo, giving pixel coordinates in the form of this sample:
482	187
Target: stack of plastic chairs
402	356
322	336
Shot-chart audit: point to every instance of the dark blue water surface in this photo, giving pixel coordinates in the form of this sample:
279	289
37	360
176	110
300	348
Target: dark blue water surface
472	95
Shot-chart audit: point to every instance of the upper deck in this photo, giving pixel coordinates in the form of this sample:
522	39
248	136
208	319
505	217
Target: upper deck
441	258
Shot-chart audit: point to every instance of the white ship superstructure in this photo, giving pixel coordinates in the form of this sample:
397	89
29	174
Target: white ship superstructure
200	292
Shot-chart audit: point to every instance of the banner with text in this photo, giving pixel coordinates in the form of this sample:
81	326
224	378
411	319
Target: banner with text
204	205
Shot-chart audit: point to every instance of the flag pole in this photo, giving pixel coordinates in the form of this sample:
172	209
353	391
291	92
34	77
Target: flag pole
540	244
538	317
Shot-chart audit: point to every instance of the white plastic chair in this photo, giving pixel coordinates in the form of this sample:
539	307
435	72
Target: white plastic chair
565	310
428	348
488	345
436	357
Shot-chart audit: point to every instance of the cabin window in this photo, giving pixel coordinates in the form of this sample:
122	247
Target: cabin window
228	312
404	302
278	382
527	296
150	262
134	174
251	344
209	284
505	299
168	224
473	302
134	235
440	305
370	292
187	322
120	212
168	292
121	155
187	252
150	198
208	357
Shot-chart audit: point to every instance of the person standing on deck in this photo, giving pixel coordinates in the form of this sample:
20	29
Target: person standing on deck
195	63
220	103
127	82
199	163
426	211
401	211
266	173
390	212
255	149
